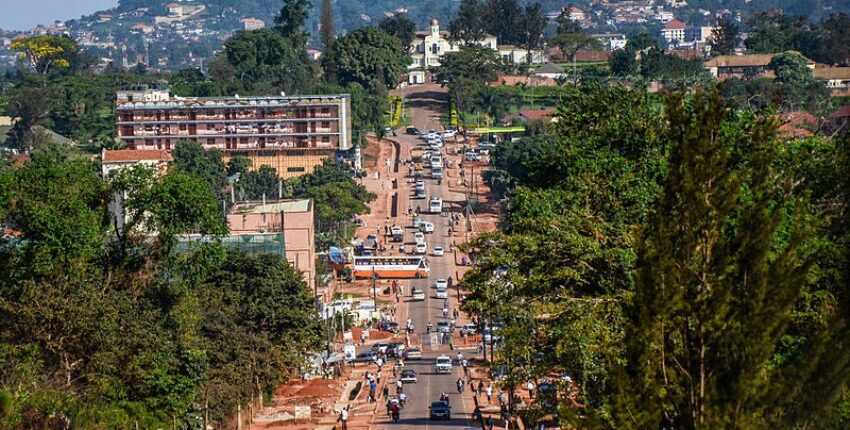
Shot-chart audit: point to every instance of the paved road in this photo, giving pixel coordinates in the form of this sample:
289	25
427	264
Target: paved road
426	103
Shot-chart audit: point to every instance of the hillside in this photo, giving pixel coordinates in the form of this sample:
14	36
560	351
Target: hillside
189	33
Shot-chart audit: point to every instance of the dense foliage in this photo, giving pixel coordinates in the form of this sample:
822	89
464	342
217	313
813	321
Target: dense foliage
678	260
102	327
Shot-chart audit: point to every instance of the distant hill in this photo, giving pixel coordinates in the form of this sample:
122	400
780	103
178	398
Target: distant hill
144	31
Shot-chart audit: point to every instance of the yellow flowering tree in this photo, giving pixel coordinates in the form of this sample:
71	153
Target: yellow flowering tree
44	52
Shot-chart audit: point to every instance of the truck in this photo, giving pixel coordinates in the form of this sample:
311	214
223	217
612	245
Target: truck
416	155
398	233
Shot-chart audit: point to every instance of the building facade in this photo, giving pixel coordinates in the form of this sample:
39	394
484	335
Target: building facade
429	46
293	134
673	31
739	66
253	222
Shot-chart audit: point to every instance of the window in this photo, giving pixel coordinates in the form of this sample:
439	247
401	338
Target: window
326	124
435	49
210	126
326	110
182	127
210	141
243	140
326	139
295	169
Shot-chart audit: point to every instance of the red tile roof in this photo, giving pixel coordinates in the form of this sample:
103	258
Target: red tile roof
125	155
674	24
797	119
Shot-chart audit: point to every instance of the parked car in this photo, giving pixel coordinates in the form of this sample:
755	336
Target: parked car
413	354
440	409
437	251
432	135
471	156
487	145
426	227
449	133
469	329
408	376
380	347
366	357
413	131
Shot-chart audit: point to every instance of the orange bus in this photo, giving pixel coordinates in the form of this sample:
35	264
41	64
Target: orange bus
389	267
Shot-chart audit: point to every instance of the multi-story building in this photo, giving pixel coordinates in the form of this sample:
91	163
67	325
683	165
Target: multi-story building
430	46
673	31
611	41
255	227
293	134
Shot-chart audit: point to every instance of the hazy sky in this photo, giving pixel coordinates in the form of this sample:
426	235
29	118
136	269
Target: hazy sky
24	14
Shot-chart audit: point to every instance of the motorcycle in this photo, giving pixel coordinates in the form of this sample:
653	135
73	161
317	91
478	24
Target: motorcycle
395	416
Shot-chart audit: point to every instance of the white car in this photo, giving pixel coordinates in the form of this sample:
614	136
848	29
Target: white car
426	227
421	248
443	327
432	135
469	329
443	364
449	133
441	283
418	295
436	161
420	183
419	237
442	293
471	156
437	251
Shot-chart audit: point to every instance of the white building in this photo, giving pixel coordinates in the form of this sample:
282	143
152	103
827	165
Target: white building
611	41
430	46
673	32
251	23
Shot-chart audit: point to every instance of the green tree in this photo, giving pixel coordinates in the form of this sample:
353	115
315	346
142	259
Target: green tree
289	22
468	25
795	79
723	279
328	35
571	43
502	19
258	184
725	36
567	25
190	157
641	42
402	28
266	62
772	31
472	62
622	62
833	40
368	56
532	23
30	105
238	164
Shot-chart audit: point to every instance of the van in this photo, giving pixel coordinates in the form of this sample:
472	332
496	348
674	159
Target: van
426	227
435	206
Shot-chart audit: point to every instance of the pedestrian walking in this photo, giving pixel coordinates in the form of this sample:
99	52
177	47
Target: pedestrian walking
343	417
460	385
489	392
379	376
530	387
490	422
386	392
480	387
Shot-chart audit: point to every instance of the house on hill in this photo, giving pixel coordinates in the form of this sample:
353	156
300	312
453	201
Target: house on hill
673	31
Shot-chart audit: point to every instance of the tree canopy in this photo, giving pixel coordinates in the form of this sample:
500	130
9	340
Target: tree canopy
369	57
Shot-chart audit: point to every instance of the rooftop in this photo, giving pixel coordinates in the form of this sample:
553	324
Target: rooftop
235	101
674	24
828	72
271	206
752	60
130	155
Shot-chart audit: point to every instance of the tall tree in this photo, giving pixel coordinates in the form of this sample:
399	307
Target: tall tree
370	57
470	62
266	62
468	25
190	157
720	269
566	25
834	40
725	36
328	36
572	43
46	52
502	19
290	21
532	24
402	27
326	24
